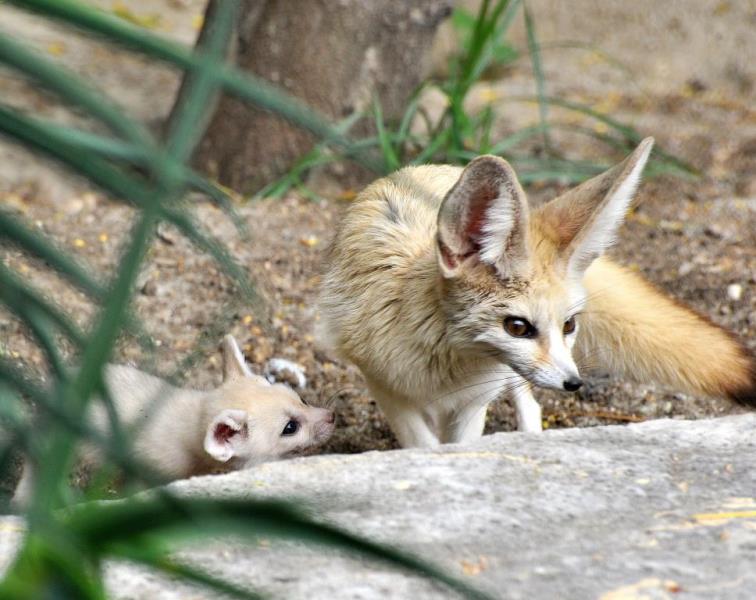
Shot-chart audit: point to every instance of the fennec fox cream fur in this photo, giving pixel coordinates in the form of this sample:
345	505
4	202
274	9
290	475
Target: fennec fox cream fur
447	291
182	432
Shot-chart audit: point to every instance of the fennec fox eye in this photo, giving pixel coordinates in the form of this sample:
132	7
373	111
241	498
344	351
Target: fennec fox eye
569	326
291	427
519	327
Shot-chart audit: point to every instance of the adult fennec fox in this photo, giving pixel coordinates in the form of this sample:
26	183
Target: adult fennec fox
447	290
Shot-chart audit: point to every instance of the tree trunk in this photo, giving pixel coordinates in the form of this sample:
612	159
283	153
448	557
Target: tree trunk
335	55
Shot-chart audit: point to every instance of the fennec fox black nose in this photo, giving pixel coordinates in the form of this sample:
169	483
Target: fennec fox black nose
572	384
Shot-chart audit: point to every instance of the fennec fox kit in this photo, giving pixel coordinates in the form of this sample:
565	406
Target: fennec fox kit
182	432
447	291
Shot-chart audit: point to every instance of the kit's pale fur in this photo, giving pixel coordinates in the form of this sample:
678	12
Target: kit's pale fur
429	263
182	432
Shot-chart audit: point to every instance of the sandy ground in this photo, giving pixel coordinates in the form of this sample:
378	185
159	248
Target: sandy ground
692	238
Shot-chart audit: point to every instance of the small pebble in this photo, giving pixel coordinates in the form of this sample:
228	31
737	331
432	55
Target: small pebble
166	235
714	231
734	291
685	268
309	241
149	288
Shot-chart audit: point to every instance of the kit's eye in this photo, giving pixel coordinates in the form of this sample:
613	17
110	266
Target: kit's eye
519	327
569	326
291	427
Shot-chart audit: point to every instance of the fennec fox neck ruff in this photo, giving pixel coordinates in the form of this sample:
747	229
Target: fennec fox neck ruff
182	432
447	291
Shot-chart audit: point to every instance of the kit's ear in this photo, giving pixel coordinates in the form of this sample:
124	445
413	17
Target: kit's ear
226	434
585	220
234	364
484	217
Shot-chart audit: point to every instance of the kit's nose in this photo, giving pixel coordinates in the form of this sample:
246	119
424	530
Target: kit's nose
572	384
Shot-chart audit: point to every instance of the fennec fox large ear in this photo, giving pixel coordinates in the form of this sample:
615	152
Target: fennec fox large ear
234	365
227	434
585	220
484	217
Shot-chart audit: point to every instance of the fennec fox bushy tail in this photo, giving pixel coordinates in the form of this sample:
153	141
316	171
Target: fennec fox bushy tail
447	290
182	432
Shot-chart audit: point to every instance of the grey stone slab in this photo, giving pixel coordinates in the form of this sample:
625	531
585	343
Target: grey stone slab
663	509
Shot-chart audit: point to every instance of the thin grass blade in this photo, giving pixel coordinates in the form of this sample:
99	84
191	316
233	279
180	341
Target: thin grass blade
628	132
65	83
113	149
433	146
14	293
200	85
48	140
390	159
503	17
158	561
214	248
36	135
20	381
112	525
15	232
540	81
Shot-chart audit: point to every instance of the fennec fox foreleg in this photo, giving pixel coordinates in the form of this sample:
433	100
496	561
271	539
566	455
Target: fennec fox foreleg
469	418
412	426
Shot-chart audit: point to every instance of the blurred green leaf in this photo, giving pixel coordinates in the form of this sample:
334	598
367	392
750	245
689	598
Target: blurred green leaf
151	557
535	59
390	159
117	525
13	231
60	80
464	21
17	296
